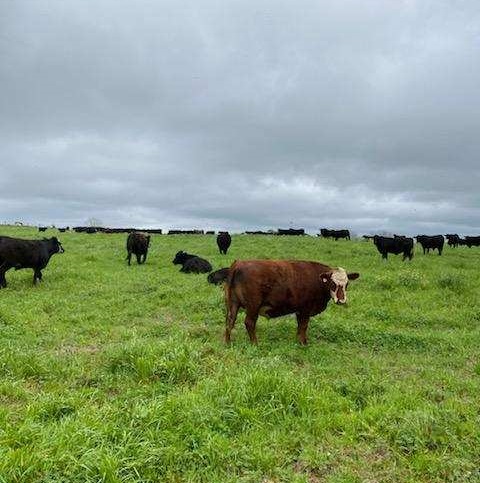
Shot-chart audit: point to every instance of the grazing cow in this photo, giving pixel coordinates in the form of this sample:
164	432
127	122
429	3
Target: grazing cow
137	243
386	245
191	263
367	237
218	276
431	243
336	234
453	240
224	240
42	228
472	241
273	288
18	253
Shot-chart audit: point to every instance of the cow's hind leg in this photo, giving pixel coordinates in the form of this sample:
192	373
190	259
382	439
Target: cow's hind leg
302	326
139	258
129	258
251	324
3	281
232	311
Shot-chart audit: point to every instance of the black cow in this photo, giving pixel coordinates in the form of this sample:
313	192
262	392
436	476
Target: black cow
191	263
386	245
428	243
137	243
335	234
453	240
218	276
18	253
42	228
224	240
472	241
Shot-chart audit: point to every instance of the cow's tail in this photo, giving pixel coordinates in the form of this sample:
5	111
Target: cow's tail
232	304
229	285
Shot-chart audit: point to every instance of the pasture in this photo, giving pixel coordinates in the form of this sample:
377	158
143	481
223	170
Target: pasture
120	374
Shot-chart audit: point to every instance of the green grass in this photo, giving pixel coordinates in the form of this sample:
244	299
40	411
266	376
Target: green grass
119	374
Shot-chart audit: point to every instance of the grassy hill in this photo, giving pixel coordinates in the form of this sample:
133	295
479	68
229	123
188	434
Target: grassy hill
119	374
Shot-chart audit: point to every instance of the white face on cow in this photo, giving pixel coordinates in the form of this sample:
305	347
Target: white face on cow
337	280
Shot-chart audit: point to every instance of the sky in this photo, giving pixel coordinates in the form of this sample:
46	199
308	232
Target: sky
240	115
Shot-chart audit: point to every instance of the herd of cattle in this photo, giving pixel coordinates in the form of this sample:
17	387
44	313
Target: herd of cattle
270	288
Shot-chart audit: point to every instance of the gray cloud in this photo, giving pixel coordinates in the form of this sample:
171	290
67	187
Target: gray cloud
241	114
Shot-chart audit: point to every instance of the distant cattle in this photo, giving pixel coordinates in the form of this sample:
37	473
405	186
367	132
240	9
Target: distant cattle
185	232
63	230
191	263
259	232
335	234
386	245
428	243
86	229
453	240
273	288
210	232
367	237
472	241
224	240
42	228
218	276
138	244
291	231
18	253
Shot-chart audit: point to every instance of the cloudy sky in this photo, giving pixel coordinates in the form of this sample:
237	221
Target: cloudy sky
241	114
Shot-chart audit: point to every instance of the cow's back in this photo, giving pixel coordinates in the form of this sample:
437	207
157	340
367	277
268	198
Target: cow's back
21	253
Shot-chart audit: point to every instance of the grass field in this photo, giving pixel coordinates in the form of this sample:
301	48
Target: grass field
119	374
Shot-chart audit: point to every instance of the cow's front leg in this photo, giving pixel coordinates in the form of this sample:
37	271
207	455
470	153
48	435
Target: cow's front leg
302	326
37	276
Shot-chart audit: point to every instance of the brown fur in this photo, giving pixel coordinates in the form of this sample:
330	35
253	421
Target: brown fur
273	288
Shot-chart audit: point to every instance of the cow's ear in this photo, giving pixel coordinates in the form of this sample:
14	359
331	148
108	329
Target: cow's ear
326	277
353	276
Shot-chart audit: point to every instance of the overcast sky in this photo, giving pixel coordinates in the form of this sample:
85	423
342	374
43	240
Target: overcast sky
241	114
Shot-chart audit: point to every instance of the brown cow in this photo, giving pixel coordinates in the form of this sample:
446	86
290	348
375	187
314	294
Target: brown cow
273	288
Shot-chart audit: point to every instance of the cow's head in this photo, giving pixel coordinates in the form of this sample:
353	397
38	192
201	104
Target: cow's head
56	246
337	283
180	258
